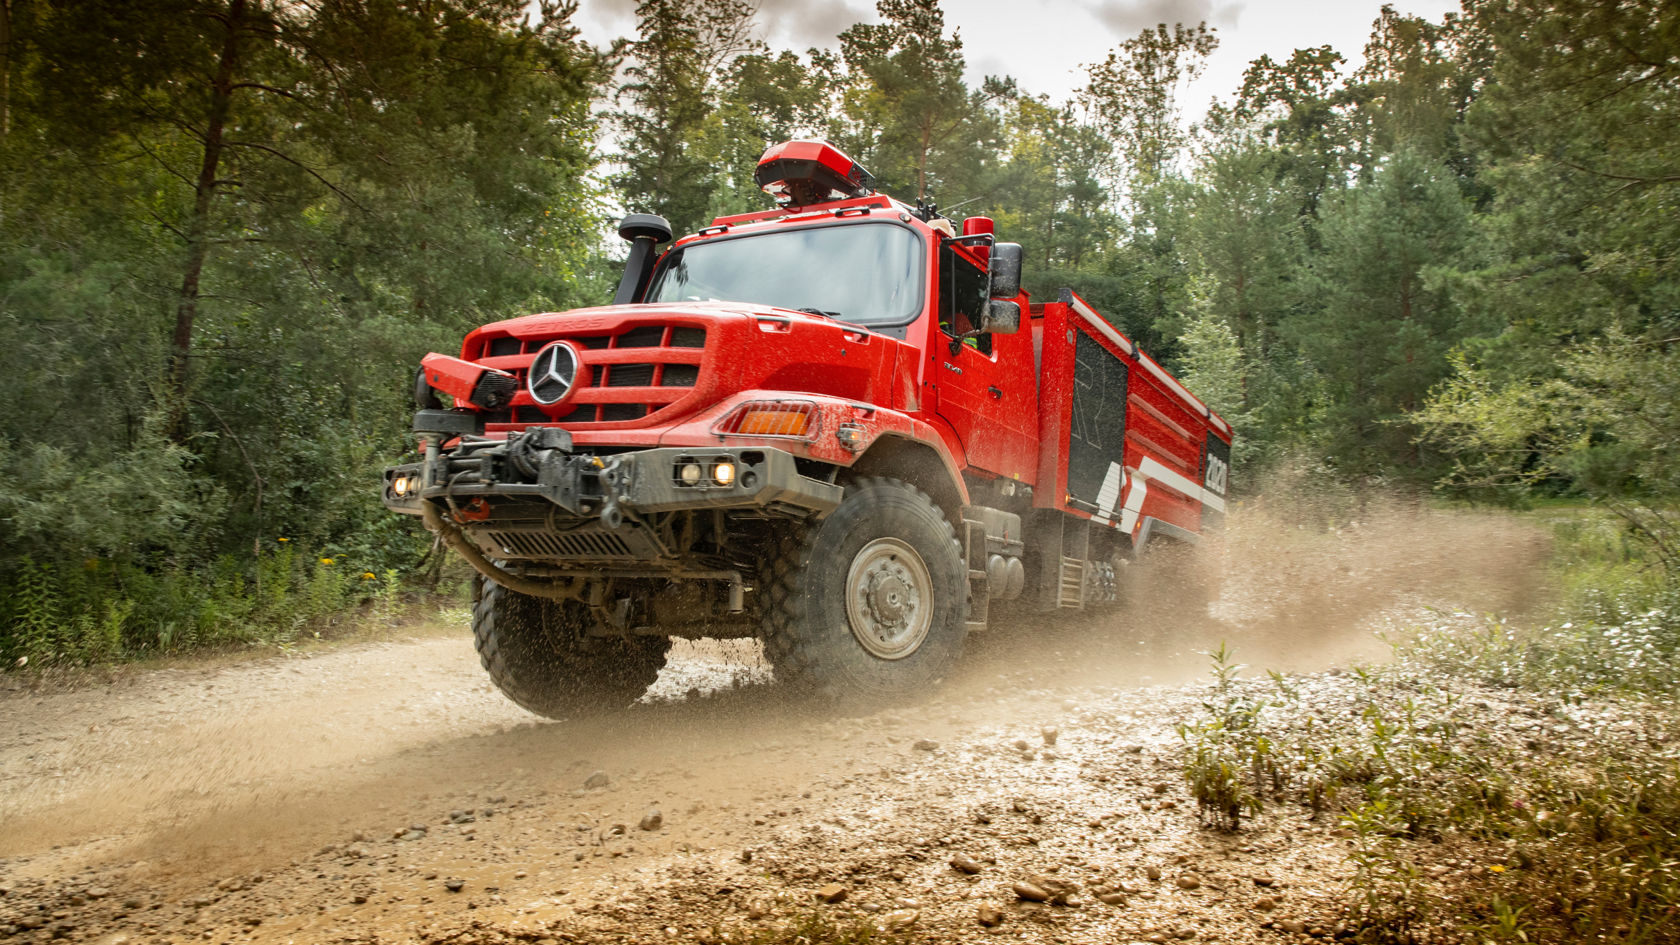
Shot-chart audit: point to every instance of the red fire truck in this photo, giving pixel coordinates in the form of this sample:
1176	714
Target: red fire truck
839	426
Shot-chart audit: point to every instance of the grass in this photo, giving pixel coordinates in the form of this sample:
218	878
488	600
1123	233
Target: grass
1570	839
56	616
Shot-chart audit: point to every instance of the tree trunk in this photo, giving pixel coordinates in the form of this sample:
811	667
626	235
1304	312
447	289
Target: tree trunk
5	83
199	223
5	70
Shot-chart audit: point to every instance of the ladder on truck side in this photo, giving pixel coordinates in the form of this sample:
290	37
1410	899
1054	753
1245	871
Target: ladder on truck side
1063	570
1070	590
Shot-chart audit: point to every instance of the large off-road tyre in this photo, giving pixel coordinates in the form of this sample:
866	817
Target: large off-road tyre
538	654
871	603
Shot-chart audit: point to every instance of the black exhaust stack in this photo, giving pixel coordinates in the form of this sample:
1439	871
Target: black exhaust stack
644	232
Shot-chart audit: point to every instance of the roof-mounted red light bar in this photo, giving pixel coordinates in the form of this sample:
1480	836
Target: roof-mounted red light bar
802	173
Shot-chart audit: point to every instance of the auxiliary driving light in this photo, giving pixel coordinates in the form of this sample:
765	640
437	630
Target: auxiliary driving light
690	474
851	436
723	473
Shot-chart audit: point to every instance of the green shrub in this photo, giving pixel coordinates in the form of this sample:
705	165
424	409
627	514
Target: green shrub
108	610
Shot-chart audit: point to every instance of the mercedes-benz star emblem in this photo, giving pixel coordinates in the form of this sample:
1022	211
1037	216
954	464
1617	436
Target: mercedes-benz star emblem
554	372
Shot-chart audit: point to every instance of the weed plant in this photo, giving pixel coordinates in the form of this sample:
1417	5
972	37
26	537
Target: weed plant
1228	758
1573	838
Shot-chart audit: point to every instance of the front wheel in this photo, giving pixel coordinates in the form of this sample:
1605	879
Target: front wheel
871	602
539	654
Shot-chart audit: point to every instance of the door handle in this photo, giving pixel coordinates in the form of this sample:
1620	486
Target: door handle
995	392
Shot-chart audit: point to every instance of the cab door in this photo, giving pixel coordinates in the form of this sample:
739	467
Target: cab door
986	391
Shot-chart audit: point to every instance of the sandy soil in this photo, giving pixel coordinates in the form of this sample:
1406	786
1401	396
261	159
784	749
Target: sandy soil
387	793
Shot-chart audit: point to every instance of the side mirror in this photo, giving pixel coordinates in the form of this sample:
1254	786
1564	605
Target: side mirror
1002	317
1006	271
999	317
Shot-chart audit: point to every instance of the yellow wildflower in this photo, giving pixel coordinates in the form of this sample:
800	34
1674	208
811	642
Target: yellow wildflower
1497	868
326	561
368	575
282	539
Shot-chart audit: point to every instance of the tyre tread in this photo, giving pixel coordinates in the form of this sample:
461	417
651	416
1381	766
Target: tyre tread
564	674
795	656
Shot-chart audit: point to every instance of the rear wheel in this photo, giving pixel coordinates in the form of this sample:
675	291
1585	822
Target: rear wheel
539	654
872	601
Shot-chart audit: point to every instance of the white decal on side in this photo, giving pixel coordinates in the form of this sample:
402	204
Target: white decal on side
1138	489
1109	495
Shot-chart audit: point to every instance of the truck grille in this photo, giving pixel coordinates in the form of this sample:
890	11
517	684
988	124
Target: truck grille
636	371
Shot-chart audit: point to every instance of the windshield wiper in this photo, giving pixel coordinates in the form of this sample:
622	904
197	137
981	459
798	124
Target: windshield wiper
818	311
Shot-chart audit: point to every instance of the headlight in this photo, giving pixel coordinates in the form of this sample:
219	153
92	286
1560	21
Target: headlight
723	473
690	474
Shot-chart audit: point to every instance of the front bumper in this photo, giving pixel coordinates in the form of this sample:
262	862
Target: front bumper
532	496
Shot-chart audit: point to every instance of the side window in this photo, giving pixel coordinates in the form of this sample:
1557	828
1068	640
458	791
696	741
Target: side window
962	297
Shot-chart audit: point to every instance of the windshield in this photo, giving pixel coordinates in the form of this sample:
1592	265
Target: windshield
866	274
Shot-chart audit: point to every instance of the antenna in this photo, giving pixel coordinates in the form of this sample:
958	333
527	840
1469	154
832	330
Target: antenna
966	202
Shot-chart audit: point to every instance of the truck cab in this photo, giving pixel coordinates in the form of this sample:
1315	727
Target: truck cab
823	425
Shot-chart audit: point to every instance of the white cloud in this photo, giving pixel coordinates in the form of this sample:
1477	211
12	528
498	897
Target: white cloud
1129	17
803	24
783	24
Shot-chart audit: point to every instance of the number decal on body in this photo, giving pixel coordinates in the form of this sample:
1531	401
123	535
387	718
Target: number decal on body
1217	471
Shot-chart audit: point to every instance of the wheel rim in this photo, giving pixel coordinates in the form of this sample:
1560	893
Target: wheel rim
889	598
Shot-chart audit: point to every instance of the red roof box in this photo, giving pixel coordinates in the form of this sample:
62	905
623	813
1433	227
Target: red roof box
802	173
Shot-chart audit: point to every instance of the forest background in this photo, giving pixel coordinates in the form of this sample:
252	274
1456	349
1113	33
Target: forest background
230	228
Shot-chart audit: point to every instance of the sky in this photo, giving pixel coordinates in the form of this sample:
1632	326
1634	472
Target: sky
1044	44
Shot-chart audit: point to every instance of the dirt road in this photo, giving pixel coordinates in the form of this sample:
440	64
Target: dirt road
386	793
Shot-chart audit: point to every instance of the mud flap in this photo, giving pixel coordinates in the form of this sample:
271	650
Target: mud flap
979	583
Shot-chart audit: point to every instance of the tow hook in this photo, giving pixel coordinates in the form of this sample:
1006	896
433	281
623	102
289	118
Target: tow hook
612	478
611	516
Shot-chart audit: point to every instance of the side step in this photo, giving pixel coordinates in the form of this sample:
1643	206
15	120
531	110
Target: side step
1071	592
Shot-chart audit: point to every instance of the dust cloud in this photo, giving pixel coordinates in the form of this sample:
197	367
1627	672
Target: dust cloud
198	772
1302	577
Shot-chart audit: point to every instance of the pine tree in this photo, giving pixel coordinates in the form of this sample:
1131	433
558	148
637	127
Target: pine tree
673	86
1382	329
907	114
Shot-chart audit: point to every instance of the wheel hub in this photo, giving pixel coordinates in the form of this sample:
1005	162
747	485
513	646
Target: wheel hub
888	598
